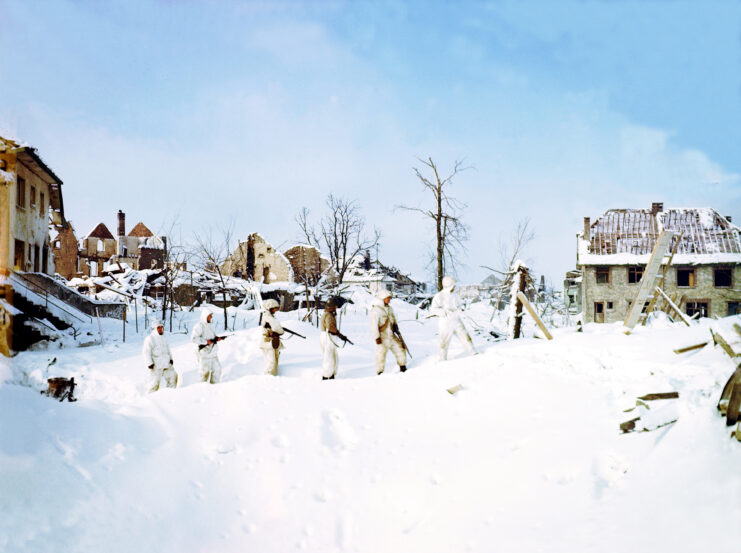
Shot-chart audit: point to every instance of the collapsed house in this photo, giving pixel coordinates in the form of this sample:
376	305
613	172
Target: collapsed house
375	276
613	252
256	259
139	249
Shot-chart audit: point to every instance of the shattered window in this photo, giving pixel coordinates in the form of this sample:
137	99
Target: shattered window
722	277
701	307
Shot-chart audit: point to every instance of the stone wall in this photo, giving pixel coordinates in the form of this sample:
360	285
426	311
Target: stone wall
257	260
306	261
620	293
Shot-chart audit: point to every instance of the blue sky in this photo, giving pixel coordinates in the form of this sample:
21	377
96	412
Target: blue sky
216	110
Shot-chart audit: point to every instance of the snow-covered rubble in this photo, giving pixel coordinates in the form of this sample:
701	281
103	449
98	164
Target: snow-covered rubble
526	456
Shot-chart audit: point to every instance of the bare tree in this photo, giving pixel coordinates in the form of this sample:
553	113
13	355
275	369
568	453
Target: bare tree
450	231
211	251
341	233
509	251
175	256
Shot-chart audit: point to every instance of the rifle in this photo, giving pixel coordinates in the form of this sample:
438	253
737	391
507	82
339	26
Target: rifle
294	333
267	325
214	340
397	333
344	338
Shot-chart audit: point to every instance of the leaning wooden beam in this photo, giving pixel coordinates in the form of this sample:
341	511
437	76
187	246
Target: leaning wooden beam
648	281
523	298
685	318
691	348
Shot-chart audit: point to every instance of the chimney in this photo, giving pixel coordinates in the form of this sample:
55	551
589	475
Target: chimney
587	235
657	207
121	223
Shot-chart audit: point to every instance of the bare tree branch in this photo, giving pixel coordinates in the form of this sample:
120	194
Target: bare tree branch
211	253
341	233
450	231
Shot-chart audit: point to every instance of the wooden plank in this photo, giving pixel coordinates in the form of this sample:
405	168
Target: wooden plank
718	339
685	318
648	281
691	348
523	298
660	395
662	279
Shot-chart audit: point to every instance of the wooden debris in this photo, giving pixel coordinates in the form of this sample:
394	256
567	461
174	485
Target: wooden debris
457	388
685	318
691	348
660	395
737	432
718	339
61	388
651	419
629	426
734	404
723	407
523	298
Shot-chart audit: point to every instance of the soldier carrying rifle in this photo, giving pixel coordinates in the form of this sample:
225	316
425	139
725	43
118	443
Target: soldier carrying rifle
205	338
385	331
327	340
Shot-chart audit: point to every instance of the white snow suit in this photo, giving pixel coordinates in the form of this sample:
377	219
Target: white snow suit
209	367
382	320
446	307
271	347
158	358
328	340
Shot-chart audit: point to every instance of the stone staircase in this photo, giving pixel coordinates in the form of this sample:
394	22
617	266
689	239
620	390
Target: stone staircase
48	306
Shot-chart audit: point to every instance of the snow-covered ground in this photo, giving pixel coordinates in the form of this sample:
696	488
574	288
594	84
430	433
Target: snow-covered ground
527	456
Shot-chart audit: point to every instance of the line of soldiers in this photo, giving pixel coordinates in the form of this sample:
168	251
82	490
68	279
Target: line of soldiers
384	331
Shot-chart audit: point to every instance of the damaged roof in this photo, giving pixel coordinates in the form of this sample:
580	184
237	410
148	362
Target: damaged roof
623	236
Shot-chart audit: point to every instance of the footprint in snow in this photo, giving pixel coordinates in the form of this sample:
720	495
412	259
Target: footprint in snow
338	434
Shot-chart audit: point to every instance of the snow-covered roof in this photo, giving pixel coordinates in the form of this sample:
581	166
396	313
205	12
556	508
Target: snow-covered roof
628	236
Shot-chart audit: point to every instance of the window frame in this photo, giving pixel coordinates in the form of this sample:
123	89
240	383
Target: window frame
20	193
730	274
694	303
635	269
693	279
601	269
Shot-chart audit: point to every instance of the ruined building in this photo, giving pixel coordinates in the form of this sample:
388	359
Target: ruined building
256	259
705	270
140	249
307	263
